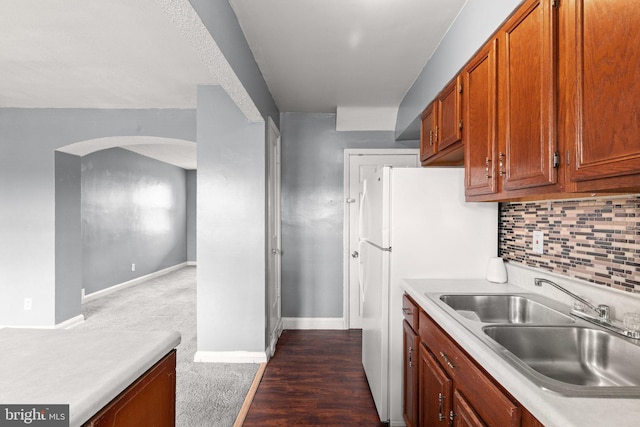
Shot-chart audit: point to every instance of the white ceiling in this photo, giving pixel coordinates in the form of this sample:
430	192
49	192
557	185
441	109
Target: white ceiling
95	54
315	55
318	56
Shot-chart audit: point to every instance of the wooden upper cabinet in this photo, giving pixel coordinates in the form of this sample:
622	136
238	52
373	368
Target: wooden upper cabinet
449	127
441	128
600	65
428	147
480	121
527	98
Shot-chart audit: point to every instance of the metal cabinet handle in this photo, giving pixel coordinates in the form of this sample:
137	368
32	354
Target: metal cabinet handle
500	157
430	137
487	160
410	357
435	137
440	402
447	361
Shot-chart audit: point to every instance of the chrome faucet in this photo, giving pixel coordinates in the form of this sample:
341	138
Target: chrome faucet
603	318
604	313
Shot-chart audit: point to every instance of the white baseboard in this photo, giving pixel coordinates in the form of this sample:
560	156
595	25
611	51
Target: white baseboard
333	323
67	324
130	283
71	323
274	340
192	263
230	357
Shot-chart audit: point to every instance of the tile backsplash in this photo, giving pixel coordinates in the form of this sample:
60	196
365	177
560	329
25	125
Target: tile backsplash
596	240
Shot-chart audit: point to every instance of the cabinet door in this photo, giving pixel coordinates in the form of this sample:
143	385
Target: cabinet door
435	392
149	401
449	126
527	97
479	118
464	415
410	386
603	89
428	145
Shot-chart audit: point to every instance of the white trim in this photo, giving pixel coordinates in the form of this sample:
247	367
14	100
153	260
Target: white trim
274	234
130	283
230	357
271	350
345	227
71	323
192	263
333	323
67	324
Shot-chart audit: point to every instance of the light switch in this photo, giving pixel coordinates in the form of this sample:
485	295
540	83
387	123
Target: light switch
538	242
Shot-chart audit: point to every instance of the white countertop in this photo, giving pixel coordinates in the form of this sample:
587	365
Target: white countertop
549	408
83	368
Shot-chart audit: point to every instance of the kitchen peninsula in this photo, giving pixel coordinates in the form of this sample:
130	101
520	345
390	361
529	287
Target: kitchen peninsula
91	371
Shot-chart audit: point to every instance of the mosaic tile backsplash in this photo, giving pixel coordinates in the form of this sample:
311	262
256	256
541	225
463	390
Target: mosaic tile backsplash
596	240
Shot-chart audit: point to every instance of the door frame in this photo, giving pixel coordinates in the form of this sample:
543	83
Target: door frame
274	254
348	152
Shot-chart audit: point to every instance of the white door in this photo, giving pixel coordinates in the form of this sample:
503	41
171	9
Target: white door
359	163
273	285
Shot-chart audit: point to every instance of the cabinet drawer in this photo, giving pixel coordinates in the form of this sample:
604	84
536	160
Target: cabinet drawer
410	311
489	401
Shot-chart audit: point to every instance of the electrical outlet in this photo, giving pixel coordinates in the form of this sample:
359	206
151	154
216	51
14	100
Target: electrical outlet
133	267
28	304
538	242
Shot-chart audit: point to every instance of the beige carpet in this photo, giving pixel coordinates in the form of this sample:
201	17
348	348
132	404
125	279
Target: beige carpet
207	394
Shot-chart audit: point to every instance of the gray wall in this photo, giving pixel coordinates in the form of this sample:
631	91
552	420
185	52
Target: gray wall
220	19
477	20
313	209
133	212
28	140
68	242
192	198
231	226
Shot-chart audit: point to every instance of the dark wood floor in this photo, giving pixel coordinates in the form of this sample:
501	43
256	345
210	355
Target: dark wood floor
314	379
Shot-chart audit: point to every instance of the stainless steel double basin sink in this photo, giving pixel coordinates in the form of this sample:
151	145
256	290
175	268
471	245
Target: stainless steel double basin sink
551	348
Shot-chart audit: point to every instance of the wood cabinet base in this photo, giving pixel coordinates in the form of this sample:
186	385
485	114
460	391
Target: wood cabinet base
149	401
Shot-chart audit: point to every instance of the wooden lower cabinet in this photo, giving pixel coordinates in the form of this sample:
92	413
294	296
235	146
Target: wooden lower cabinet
411	343
452	388
149	401
435	391
410	389
463	414
487	400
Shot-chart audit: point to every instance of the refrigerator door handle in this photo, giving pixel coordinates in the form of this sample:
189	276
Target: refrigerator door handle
363	199
361	276
378	246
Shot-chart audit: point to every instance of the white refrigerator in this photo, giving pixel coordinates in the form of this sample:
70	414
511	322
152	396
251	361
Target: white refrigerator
414	223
